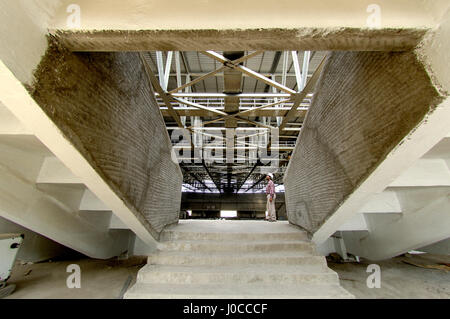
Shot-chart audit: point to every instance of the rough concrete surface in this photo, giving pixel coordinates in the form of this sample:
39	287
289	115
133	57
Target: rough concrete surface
107	278
365	103
100	279
398	280
315	39
105	106
222	259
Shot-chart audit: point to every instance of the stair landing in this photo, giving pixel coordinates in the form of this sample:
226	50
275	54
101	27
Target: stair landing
223	259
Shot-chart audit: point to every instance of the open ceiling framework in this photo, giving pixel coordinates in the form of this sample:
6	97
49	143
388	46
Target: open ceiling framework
220	98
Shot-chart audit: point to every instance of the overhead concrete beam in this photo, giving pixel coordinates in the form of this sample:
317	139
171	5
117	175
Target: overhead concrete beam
286	25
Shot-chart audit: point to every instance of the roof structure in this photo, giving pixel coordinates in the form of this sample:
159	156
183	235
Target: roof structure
233	116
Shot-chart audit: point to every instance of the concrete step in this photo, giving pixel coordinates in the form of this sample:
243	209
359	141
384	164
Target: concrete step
116	223
236	246
231	258
225	260
384	202
253	291
53	171
243	274
425	172
91	202
168	235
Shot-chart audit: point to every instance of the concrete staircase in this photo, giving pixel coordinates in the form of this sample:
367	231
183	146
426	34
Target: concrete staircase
236	259
412	212
41	194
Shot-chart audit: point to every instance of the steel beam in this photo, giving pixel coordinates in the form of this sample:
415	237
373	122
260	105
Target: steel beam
258	163
305	68
199	106
298	74
204	76
194	176
247	71
154	81
167	71
299	97
209	173
223	95
160	65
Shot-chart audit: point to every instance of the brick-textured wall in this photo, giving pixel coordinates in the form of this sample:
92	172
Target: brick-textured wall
365	103
104	105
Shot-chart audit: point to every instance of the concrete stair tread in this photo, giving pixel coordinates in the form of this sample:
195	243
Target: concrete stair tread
232	269
227	254
299	232
223	291
235	242
235	258
236	246
186	235
233	227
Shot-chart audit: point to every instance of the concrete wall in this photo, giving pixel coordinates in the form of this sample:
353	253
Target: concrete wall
365	103
104	105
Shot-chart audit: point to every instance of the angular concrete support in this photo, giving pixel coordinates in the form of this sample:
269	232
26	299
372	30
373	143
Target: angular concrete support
433	59
103	104
127	202
365	104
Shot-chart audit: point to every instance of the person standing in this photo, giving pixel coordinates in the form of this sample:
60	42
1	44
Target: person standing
270	191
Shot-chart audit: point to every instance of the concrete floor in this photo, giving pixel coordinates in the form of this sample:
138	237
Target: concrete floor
100	279
398	280
106	279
